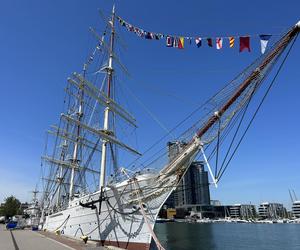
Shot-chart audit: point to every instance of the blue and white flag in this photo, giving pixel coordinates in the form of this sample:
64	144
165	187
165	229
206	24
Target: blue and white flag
198	42
264	39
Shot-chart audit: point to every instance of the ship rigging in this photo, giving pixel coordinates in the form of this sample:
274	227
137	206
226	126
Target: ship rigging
87	190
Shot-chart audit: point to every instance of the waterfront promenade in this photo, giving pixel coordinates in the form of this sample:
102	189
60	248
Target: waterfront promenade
31	240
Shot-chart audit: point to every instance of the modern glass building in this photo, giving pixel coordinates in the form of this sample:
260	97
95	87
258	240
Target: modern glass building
194	186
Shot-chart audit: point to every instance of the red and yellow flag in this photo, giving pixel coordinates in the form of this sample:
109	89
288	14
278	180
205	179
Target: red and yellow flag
181	43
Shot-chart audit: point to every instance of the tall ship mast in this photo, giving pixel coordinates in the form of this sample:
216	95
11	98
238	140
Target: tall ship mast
109	69
86	193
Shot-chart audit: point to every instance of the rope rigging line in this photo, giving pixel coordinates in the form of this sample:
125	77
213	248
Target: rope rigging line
65	172
88	160
79	228
259	106
120	212
150	113
138	30
51	185
218	145
160	91
259	59
163	149
235	134
253	91
154	237
86	65
231	83
226	133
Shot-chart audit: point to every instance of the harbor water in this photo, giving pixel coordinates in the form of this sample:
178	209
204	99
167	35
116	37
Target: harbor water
228	236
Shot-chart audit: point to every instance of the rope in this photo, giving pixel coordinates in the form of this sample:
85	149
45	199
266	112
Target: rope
235	134
65	221
125	24
119	212
218	146
169	132
159	246
224	135
229	85
79	228
259	106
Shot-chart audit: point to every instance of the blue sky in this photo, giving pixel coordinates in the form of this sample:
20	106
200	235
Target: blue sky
43	42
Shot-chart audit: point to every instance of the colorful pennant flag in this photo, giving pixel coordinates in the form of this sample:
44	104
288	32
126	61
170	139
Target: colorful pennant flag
245	43
139	32
122	23
264	39
148	35
129	27
175	43
178	42
169	41
198	42
209	42
181	43
219	43
231	42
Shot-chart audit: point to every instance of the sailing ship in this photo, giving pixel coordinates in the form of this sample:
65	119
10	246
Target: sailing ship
32	213
122	208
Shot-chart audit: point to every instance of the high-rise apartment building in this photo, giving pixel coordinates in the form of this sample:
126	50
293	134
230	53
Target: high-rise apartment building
194	186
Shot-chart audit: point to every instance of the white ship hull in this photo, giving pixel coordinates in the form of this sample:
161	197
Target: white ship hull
121	222
129	209
34	216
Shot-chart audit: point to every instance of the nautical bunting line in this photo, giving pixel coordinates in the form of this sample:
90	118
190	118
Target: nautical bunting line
177	41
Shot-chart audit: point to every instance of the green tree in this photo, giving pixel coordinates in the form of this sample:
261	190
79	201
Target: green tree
10	207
